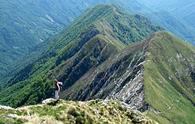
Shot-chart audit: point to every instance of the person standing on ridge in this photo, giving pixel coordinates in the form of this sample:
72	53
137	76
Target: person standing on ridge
57	85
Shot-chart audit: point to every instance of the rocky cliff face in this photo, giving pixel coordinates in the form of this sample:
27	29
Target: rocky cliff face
121	78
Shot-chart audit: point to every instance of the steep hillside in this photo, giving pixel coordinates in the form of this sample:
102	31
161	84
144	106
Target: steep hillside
120	77
90	41
69	112
169	79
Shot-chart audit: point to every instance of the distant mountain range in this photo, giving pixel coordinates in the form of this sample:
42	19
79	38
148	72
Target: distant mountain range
24	24
109	54
182	18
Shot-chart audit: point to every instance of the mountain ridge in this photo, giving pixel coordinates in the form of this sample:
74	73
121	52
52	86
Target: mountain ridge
68	44
119	56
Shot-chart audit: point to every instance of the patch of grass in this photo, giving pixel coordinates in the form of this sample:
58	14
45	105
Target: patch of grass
90	112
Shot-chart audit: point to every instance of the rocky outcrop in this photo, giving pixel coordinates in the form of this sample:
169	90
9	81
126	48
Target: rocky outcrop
68	112
2	107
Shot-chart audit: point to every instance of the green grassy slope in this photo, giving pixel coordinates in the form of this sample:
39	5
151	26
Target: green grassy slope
85	40
169	79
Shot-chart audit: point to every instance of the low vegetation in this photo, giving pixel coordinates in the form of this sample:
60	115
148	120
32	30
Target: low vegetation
69	112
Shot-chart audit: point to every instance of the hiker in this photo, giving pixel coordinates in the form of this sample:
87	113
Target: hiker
58	86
